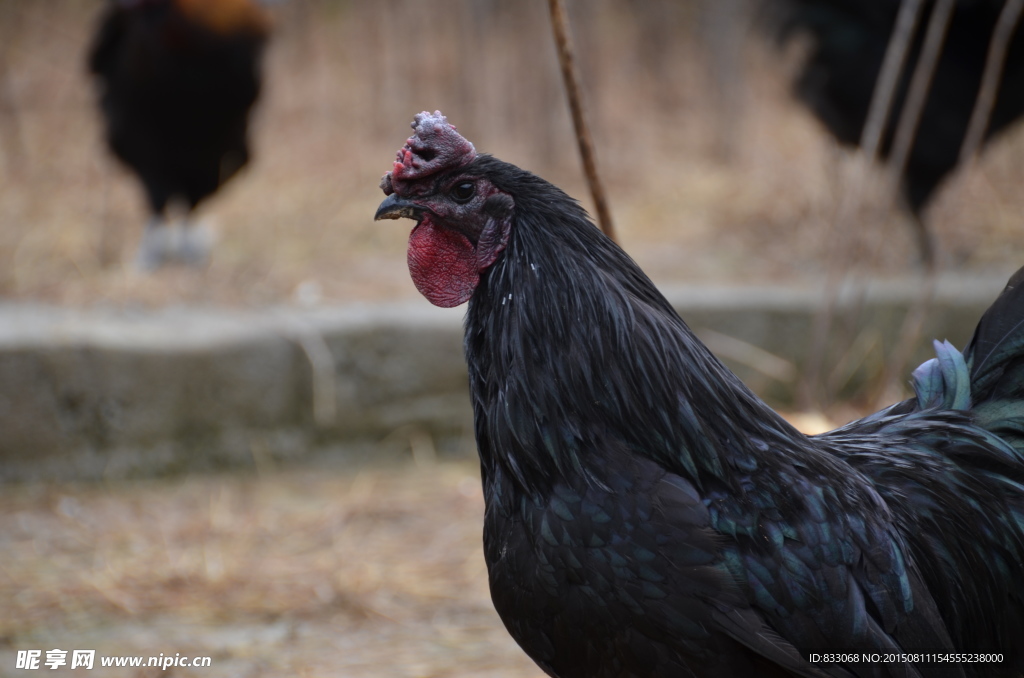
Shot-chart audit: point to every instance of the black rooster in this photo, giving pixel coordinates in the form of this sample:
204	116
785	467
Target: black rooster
177	79
837	82
647	515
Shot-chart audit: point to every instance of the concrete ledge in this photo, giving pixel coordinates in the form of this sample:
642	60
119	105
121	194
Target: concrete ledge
114	393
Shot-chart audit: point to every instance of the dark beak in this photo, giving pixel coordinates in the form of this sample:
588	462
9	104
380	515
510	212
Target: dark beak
394	207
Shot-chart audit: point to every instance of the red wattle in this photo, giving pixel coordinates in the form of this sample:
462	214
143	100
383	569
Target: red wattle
443	264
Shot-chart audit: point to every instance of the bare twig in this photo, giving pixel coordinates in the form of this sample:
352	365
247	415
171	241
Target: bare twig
745	353
560	25
988	91
910	116
920	83
993	74
322	365
889	77
882	98
10	124
725	41
907	341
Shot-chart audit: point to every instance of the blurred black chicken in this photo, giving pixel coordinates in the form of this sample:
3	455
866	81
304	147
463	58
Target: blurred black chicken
177	79
647	515
838	79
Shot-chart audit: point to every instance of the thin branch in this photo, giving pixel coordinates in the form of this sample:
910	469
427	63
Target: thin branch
560	25
920	83
725	42
889	76
907	341
984	104
993	74
879	111
10	123
913	107
322	366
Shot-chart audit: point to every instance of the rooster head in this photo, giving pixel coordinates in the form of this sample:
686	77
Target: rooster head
462	219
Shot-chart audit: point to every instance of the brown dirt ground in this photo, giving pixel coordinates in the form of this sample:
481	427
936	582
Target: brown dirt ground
349	573
367	571
377	572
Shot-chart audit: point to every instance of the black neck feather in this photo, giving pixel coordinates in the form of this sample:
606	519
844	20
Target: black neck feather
572	349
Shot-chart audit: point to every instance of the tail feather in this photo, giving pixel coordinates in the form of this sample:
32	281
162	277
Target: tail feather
995	354
944	381
995	358
958	487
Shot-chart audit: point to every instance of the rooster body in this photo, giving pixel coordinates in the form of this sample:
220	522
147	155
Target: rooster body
177	81
647	515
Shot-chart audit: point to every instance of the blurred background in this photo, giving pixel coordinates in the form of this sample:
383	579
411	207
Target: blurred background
713	169
715	176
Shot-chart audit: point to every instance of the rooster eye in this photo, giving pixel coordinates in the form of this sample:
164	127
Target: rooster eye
463	192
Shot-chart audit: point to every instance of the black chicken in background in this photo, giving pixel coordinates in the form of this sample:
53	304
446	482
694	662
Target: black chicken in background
849	40
177	80
647	515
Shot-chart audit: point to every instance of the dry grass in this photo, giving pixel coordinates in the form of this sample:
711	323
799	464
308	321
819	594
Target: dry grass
373	573
344	78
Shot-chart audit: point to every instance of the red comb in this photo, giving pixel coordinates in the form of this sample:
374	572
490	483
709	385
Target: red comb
434	146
